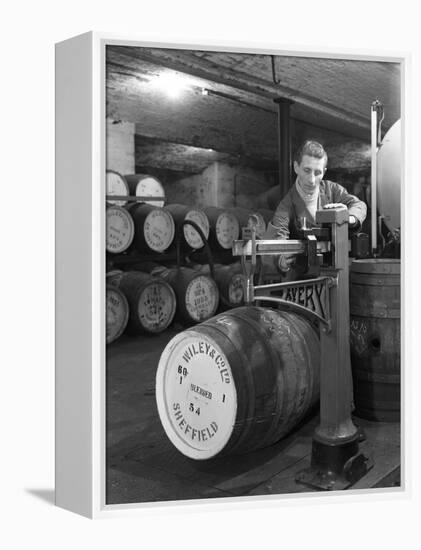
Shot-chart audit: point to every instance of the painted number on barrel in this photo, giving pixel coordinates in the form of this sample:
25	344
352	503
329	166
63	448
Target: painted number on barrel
192	409
183	372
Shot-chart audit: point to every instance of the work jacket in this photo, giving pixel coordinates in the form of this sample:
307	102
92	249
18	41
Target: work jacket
286	220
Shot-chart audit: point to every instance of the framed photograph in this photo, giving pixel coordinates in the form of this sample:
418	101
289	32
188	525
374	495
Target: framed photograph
228	276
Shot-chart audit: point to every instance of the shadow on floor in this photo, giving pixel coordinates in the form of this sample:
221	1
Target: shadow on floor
47	495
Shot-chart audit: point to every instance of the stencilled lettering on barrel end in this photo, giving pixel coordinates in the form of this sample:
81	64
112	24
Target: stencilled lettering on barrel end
198	395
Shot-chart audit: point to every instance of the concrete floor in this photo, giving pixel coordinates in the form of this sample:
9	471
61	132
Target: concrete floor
144	466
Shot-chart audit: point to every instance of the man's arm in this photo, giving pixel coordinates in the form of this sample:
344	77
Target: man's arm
356	207
278	228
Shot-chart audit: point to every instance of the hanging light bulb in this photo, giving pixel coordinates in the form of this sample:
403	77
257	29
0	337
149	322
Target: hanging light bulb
172	83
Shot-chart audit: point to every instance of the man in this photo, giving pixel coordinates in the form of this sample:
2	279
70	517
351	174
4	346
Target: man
309	193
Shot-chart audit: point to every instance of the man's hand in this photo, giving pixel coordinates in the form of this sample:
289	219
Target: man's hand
277	264
334	205
352	221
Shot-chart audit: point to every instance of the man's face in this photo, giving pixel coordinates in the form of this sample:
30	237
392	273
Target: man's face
310	173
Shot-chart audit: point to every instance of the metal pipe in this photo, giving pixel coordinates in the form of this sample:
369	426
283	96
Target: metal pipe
376	106
284	142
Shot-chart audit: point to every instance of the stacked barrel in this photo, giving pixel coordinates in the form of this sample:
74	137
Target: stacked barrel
169	262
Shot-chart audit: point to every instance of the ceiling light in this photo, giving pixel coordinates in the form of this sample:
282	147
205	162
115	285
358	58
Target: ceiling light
173	84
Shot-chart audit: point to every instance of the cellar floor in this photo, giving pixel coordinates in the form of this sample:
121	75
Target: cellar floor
142	465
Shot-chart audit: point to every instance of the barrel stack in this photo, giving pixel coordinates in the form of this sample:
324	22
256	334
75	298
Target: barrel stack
142	234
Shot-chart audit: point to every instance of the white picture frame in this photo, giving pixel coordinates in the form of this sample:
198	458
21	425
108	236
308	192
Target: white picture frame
80	269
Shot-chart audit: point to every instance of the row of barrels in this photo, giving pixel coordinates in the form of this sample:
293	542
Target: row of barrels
148	301
152	227
138	185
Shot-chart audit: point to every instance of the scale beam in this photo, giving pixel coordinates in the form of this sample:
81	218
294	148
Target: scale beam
273	247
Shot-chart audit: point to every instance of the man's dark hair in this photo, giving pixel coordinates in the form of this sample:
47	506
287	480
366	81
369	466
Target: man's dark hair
312	149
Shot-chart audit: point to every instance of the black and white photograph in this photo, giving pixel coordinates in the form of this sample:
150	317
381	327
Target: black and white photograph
253	211
211	321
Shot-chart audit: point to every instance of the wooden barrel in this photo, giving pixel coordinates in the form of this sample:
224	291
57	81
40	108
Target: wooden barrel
247	218
224	228
237	382
154	228
260	218
180	213
119	229
197	293
144	185
257	219
242	215
117	313
152	301
116	184
375	338
230	280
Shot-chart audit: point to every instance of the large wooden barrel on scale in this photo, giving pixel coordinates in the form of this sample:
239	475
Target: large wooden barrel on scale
117	313
237	382
191	238
144	185
197	293
119	229
154	228
152	301
375	338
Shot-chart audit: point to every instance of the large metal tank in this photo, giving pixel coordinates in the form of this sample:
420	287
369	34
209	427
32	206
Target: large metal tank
389	177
